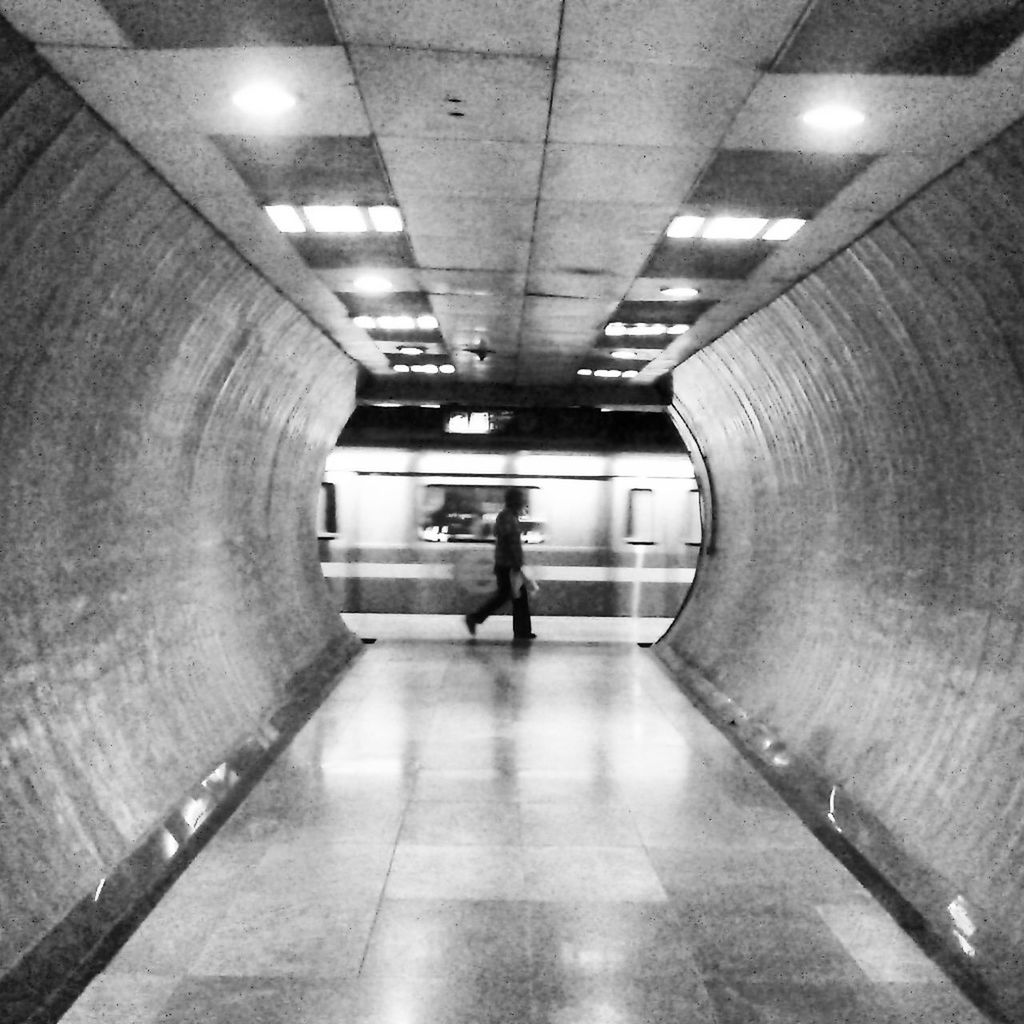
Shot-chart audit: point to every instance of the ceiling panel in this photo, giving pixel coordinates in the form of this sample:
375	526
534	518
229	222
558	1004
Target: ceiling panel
472	282
685	258
441	94
913	37
903	115
614	103
698	33
465	218
392	304
525	27
193	88
310	169
462	167
638	311
72	22
342	279
491	253
773	183
583	285
629	174
172	26
323	251
597	236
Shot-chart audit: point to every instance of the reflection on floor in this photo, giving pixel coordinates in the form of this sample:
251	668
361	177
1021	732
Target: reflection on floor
475	833
498	629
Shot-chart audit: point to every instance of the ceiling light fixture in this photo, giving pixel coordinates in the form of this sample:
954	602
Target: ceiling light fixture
781	230
630	373
372	284
734	228
685	227
584	372
263	99
426	323
679	292
385	218
335	219
286	219
624	353
833	117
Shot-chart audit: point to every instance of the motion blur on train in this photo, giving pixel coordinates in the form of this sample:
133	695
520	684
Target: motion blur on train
611	527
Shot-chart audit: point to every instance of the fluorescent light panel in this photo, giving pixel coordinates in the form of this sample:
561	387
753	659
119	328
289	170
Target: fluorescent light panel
345	219
286	219
396	323
620	330
734	229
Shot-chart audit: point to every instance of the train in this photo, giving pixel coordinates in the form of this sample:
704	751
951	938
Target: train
404	531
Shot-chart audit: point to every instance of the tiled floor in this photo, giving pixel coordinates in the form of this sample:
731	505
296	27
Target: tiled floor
472	833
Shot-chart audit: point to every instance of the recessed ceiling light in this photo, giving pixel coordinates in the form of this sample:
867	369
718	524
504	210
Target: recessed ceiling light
584	372
446	368
286	218
623	353
372	284
396	323
607	373
335	218
833	117
400	368
410	350
679	292
615	330
366	322
263	99
426	323
678	328
385	218
780	230
630	373
685	227
734	227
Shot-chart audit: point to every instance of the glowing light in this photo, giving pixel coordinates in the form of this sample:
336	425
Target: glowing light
678	328
833	117
624	353
584	372
385	218
99	889
263	99
410	350
426	323
685	227
615	330
734	228
607	373
366	322
396	323
372	284
446	368
286	219
400	368
679	292
961	918
965	945
335	219
630	373
781	230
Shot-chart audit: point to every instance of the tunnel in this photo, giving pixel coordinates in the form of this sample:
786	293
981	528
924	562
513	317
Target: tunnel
855	620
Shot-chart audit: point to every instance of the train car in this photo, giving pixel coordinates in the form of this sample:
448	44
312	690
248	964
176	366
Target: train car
404	531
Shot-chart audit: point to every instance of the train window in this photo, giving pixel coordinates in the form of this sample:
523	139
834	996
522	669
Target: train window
465	513
327	511
640	516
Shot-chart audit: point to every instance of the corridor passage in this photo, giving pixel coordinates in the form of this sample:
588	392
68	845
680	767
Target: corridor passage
476	833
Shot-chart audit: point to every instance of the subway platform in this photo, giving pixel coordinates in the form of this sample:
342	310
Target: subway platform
471	832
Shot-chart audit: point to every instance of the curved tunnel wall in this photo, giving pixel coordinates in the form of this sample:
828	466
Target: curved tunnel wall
864	442
164	417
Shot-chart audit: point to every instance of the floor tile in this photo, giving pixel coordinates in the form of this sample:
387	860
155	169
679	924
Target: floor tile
440	823
575	873
456	873
122	999
441	939
578	824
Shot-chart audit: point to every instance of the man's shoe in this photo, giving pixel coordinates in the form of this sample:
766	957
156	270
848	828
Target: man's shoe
525	636
471	626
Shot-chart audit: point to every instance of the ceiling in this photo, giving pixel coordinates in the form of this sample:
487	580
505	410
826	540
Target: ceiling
537	152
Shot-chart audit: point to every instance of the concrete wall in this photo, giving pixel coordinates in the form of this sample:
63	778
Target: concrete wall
164	417
864	441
